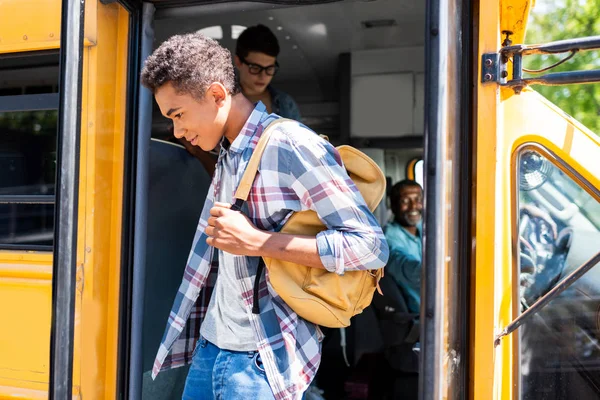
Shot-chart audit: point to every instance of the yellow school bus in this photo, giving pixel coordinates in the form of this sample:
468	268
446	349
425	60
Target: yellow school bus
98	205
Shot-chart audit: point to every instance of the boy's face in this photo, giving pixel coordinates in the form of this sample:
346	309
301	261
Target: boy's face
200	122
255	84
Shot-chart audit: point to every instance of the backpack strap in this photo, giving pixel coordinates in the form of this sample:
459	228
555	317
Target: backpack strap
243	190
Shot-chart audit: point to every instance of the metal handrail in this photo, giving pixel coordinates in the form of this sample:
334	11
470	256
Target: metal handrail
560	46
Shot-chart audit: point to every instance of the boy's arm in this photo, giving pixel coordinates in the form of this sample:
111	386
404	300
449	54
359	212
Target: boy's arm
353	240
233	232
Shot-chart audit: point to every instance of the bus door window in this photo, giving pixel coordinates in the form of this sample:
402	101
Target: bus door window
558	230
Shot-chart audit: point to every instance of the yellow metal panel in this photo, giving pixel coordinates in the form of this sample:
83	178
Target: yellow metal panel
30	25
90	32
528	118
114	278
410	169
34	391
10	389
101	192
540	121
514	17
493	373
483	279
26	298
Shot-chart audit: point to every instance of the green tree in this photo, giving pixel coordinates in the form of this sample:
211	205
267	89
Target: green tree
553	20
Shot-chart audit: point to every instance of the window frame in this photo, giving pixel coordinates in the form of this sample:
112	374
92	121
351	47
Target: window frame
24	103
577	178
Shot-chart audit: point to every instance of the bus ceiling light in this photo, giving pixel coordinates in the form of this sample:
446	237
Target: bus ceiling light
534	170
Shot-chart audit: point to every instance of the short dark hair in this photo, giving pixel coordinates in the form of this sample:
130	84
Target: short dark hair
257	38
397	188
191	62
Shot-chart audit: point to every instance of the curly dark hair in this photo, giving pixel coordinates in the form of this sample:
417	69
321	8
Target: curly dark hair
257	38
191	62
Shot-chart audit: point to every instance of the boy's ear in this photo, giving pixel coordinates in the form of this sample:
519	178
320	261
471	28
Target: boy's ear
237	62
217	93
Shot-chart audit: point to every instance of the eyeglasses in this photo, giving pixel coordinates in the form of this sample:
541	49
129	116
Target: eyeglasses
256	69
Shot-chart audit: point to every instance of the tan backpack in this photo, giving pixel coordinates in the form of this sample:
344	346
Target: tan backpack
317	295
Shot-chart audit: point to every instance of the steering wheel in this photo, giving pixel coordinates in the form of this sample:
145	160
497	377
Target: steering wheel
542	252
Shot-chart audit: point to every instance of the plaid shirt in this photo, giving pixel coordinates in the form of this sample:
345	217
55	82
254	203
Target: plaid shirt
298	171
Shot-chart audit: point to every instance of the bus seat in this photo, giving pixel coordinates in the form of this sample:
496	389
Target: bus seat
367	335
399	328
178	185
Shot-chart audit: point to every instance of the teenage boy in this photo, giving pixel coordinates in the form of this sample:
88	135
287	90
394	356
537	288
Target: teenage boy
238	354
255	58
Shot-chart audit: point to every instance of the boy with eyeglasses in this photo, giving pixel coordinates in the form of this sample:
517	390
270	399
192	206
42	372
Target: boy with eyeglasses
256	61
257	49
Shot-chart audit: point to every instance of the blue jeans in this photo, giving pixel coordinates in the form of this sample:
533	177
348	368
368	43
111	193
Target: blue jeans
218	374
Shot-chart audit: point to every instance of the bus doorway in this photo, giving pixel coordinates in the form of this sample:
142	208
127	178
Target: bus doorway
333	68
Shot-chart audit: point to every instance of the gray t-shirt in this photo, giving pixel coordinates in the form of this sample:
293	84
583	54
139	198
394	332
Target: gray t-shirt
226	324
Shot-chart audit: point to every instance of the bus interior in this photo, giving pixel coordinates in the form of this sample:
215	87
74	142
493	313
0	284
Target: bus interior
356	71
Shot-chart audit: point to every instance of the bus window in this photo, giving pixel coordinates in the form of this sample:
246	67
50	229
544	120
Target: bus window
558	231
419	172
414	170
28	126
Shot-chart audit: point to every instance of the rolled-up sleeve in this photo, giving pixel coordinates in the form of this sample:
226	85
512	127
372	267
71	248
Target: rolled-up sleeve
353	239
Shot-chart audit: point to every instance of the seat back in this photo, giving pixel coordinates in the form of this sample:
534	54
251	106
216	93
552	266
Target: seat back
399	327
177	188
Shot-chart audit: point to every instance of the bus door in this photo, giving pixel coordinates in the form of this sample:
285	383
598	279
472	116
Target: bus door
63	163
535	295
448	180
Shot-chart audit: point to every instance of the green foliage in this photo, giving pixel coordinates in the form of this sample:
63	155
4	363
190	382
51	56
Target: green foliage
35	123
553	20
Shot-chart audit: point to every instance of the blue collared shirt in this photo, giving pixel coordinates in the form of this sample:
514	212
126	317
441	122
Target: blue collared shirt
404	264
283	104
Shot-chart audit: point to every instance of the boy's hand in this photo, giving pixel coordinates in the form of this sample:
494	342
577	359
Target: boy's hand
232	231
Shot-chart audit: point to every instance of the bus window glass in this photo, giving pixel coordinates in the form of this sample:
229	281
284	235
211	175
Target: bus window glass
558	231
419	172
26	224
28	165
28	129
27	152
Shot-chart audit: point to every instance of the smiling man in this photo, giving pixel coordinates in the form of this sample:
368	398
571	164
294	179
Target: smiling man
236	353
404	239
255	58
